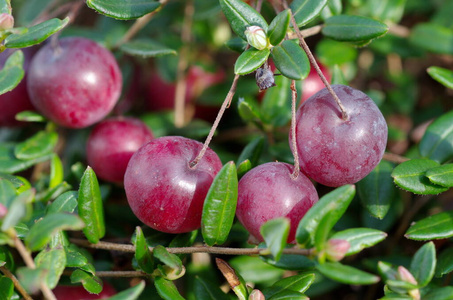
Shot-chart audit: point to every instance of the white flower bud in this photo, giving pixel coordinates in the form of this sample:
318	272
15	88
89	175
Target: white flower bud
256	37
6	21
336	249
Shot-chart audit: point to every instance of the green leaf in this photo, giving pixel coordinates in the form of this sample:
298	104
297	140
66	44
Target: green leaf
338	76
348	28
43	231
92	284
433	227
442	293
248	110
423	264
241	15
53	261
123	10
167	289
143	255
377	190
291	60
169	259
6	288
410	175
290	262
74	258
444	262
252	152
35	34
336	201
244	167
442	175
146	48
322	232
131	293
289	295
236	44
66	202
90	206
360	238
31	279
432	37
250	60
444	76
275	233
12	73
7	192
305	11
18	209
298	283
278	27
16	181
437	142
207	291
6	258
219	207
276	105
10	164
39	145
346	274
331	53
56	171
30	116
253	269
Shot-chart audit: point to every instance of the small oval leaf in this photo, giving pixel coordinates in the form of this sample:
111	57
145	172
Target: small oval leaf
346	274
433	227
123	10
54	262
360	238
146	48
275	233
291	60
423	264
348	28
442	175
167	289
12	73
444	76
437	142
278	27
131	293
250	60
39	145
143	255
220	206
298	283
305	11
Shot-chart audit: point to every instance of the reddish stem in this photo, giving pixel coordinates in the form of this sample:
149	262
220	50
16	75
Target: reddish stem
293	130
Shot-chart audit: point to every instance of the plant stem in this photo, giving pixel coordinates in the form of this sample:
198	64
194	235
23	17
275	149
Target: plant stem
312	59
115	273
30	263
188	250
181	84
293	130
392	157
139	24
16	283
226	103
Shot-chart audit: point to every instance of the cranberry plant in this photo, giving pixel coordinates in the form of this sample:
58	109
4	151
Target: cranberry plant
222	149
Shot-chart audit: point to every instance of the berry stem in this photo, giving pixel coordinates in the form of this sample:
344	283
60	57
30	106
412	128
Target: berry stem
226	103
189	250
16	283
313	62
296	171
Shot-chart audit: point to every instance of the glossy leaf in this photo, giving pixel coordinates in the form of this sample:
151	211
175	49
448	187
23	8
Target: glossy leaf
276	105
424	264
146	48
360	238
289	262
30	116
207	291
410	176
244	167
346	274
74	257
442	75
377	190
219	207
432	37
433	227
10	164
92	284
336	201
53	261
250	60
442	175
42	231
39	145
444	262
322	231
169	259
6	288
387	10
66	202
298	283
90	206
437	142
441	293
12	72
278	27
248	110
291	60
35	34
131	293
253	269
16	181
123	10
241	15
56	171
305	11
289	295
275	233
252	151
167	289
18	209
348	28
143	255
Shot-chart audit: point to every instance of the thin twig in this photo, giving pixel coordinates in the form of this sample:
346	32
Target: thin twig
259	4
188	250
114	273
16	283
293	130
139	24
312	59
225	105
181	83
307	32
